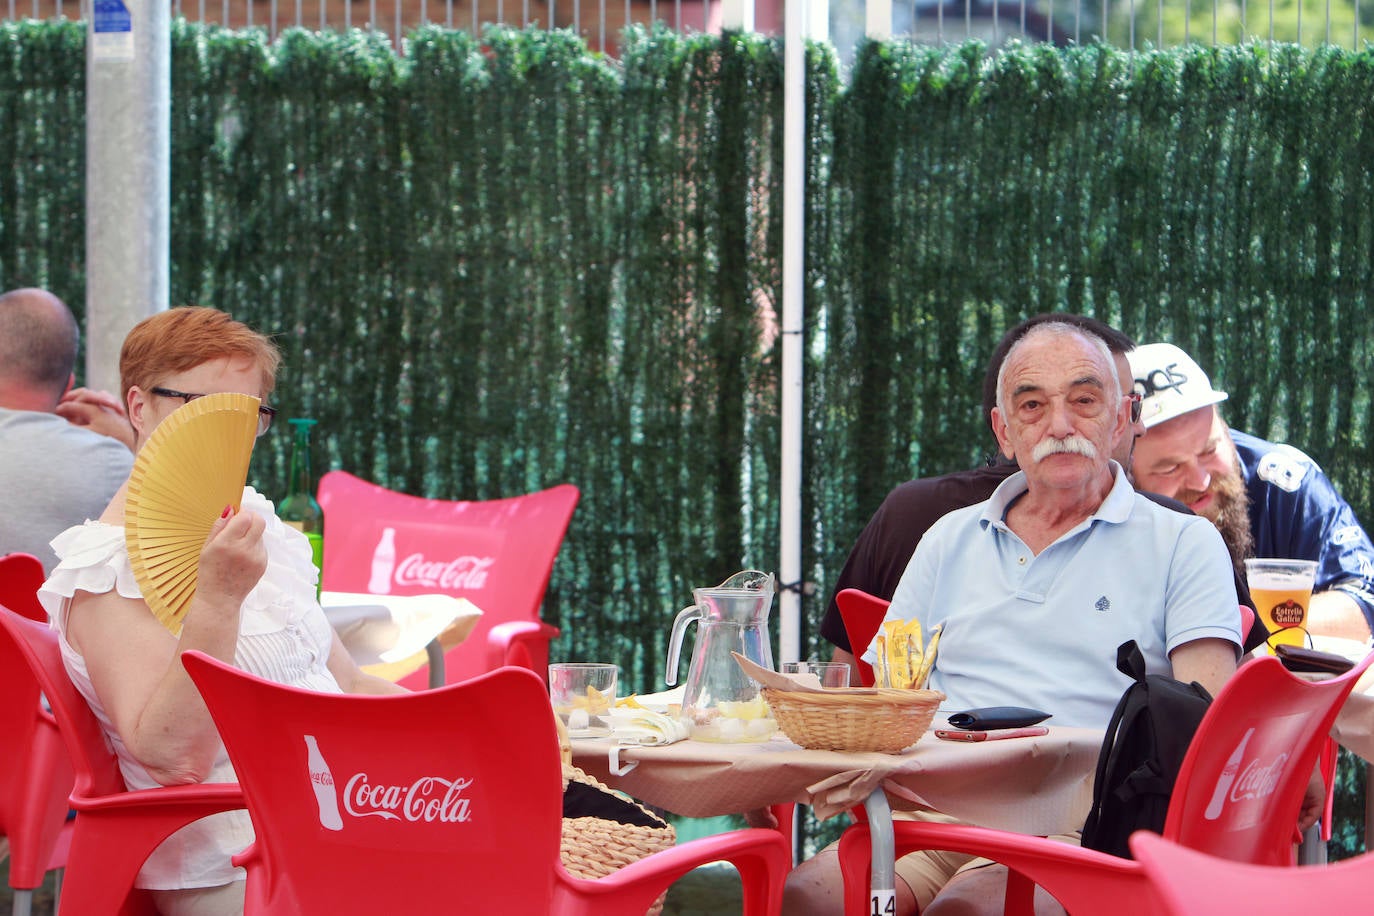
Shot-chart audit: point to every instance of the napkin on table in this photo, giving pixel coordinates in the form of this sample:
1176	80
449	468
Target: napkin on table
646	727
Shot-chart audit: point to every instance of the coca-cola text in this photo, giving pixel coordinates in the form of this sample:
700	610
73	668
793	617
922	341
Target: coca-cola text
1258	781
460	572
429	798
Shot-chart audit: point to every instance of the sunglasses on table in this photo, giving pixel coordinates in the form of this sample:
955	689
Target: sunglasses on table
265	413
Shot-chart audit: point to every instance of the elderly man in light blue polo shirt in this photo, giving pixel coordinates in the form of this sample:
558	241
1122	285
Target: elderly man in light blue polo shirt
1038	586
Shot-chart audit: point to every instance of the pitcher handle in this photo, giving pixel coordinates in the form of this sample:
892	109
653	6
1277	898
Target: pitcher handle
684	617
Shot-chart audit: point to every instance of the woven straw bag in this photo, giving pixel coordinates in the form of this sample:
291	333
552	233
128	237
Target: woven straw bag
593	847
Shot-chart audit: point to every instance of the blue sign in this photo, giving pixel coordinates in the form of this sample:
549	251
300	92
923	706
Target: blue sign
112	16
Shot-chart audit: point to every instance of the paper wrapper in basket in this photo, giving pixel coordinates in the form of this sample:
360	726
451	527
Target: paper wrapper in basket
603	830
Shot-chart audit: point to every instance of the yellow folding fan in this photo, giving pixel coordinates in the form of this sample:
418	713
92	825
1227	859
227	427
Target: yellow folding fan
194	464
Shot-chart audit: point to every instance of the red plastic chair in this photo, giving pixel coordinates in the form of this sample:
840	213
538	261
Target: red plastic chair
435	801
1191	883
1247	619
862	614
115	829
35	772
1237	796
497	553
21	575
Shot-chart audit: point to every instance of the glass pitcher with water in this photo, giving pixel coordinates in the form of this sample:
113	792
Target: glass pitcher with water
720	702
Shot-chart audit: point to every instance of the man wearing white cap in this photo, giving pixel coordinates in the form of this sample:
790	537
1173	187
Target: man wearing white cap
1267	500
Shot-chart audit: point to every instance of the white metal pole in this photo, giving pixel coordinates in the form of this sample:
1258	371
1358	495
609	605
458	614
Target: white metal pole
128	154
737	15
878	19
793	289
818	20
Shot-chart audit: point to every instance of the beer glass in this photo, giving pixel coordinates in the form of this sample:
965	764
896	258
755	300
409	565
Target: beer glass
1282	591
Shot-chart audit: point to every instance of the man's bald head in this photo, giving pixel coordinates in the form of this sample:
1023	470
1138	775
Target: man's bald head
38	343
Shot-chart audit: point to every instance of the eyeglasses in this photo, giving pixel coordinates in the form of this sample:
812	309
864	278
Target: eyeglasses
1137	405
265	413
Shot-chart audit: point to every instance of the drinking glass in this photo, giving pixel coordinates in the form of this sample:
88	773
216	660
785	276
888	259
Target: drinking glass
828	674
1282	592
583	695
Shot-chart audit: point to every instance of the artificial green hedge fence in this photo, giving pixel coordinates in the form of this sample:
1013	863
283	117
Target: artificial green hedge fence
500	264
496	265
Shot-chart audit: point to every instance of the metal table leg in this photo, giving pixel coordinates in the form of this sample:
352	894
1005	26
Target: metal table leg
436	663
883	888
1313	848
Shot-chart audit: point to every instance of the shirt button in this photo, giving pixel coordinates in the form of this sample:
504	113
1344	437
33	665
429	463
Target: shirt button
1021	561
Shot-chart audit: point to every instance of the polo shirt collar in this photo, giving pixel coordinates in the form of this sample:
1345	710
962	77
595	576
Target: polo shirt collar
1116	508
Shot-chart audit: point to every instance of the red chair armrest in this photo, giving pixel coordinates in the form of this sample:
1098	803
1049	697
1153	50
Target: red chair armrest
762	857
198	800
524	643
117	833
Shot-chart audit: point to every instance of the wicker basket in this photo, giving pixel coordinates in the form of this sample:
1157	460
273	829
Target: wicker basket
593	847
887	721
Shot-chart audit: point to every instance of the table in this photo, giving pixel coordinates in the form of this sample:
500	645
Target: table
392	635
1039	785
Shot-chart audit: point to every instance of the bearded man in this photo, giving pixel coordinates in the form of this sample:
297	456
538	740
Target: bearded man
1267	500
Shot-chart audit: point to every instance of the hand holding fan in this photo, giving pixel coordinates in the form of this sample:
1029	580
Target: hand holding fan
194	464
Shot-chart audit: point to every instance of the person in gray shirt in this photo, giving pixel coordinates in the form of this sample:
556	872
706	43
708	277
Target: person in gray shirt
64	451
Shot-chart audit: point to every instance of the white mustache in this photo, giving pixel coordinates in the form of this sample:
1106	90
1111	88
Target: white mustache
1069	445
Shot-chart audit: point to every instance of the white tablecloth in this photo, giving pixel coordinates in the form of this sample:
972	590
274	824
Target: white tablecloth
387	634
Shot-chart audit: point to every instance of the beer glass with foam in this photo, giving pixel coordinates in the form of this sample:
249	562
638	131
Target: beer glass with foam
1282	590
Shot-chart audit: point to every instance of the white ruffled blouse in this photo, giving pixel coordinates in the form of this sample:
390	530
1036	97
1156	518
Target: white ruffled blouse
283	637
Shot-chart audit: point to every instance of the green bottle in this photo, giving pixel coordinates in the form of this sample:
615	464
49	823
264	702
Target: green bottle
299	509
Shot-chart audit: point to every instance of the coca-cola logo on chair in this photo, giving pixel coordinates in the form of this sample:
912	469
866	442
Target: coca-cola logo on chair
417	570
428	799
460	572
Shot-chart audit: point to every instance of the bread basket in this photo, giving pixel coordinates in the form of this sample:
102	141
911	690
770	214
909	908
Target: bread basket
884	720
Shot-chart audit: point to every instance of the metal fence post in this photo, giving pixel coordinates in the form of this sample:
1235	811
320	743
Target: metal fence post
128	137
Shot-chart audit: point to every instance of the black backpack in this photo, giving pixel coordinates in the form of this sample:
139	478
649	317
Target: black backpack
1141	753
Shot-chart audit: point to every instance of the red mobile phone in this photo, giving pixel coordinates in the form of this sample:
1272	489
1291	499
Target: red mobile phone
955	734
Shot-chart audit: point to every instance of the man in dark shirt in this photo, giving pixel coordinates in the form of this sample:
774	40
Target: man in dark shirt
883	549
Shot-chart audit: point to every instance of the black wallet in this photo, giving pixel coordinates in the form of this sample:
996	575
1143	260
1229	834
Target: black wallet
990	718
1300	658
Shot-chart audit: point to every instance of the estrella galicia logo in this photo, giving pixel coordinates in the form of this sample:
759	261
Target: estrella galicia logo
1168	378
1102	604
